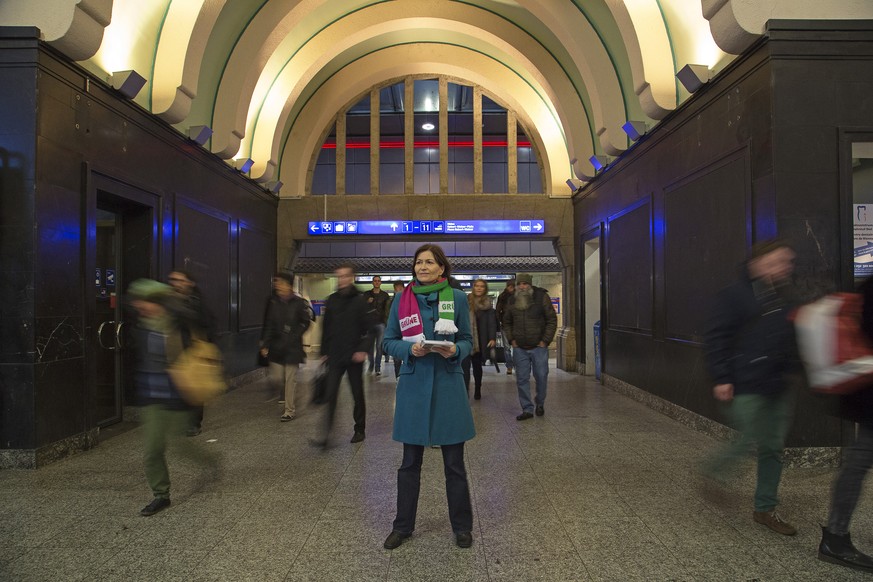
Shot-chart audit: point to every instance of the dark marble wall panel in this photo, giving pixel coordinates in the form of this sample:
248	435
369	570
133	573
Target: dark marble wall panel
17	430
629	272
202	247
706	226
59	391
256	260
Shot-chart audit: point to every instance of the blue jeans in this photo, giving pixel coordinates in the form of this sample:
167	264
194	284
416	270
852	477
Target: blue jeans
847	487
538	359
376	349
457	488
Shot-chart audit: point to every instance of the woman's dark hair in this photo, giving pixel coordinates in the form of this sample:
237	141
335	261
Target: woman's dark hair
438	255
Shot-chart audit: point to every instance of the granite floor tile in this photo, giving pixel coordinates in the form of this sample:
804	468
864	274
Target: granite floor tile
601	488
55	563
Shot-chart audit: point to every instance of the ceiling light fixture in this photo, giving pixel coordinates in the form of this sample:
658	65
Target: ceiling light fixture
427	126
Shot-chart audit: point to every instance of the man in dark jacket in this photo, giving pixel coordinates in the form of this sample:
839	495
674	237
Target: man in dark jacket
346	337
287	317
379	303
836	543
500	308
529	325
751	352
198	321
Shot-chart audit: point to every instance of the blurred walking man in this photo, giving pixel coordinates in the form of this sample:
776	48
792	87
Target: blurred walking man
751	351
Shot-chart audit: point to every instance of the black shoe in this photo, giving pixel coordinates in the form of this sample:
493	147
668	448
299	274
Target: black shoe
359	436
157	504
540	411
194	431
840	550
524	416
394	539
318	444
464	539
477	395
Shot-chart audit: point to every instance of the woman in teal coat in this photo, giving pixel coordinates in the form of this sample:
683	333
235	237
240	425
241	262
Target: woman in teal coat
431	403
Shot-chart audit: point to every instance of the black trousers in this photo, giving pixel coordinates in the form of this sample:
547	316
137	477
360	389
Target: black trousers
457	488
476	361
356	381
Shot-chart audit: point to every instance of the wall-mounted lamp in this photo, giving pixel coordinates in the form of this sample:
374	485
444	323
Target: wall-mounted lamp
693	77
599	162
581	176
635	129
128	83
199	134
243	164
274	186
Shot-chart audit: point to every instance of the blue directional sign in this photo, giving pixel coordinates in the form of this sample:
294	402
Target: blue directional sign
532	226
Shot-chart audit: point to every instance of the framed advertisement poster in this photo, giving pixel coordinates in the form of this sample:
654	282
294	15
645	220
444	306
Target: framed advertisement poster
863	220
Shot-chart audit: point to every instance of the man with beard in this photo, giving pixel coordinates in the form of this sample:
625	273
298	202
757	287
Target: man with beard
529	325
345	341
752	353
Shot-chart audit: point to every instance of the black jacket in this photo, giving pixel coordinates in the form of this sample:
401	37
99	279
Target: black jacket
348	321
380	304
750	339
528	327
285	322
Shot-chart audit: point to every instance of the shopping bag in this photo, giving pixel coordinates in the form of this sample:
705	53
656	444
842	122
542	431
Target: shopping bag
198	373
837	354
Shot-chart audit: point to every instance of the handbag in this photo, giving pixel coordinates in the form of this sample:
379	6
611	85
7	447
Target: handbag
198	373
263	360
319	385
836	352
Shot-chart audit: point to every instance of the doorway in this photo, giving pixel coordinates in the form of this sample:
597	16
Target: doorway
122	249
591	300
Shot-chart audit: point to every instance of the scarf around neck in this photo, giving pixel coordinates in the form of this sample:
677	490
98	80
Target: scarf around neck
409	314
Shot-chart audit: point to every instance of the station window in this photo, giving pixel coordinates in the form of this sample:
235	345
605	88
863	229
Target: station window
324	176
425	155
392	124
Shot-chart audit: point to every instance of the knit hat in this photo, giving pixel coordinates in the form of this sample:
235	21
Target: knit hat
524	278
149	290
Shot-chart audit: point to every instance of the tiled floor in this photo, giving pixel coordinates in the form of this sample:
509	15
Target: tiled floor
600	488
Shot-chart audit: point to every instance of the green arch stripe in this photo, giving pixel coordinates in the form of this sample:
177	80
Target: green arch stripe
672	48
291	57
582	100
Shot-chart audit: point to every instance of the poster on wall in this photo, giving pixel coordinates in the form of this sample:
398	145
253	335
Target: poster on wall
863	219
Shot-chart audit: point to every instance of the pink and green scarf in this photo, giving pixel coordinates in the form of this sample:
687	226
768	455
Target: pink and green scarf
409	314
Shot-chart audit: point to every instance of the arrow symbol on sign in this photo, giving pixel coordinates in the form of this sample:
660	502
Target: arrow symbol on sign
394	226
538	226
313	228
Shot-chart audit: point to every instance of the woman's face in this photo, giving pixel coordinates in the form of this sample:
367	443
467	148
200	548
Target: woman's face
427	271
480	288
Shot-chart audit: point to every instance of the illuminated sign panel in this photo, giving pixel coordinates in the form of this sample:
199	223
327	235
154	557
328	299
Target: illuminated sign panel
406	227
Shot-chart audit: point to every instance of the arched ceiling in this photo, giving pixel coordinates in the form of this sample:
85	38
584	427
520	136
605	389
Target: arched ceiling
269	75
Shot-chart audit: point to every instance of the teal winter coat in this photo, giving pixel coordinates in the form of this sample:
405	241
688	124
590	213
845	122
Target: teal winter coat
432	406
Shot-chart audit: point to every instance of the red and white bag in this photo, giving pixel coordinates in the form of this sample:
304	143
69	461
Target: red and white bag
836	352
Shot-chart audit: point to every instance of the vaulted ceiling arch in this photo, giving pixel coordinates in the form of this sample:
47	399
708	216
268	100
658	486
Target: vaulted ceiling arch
349	83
